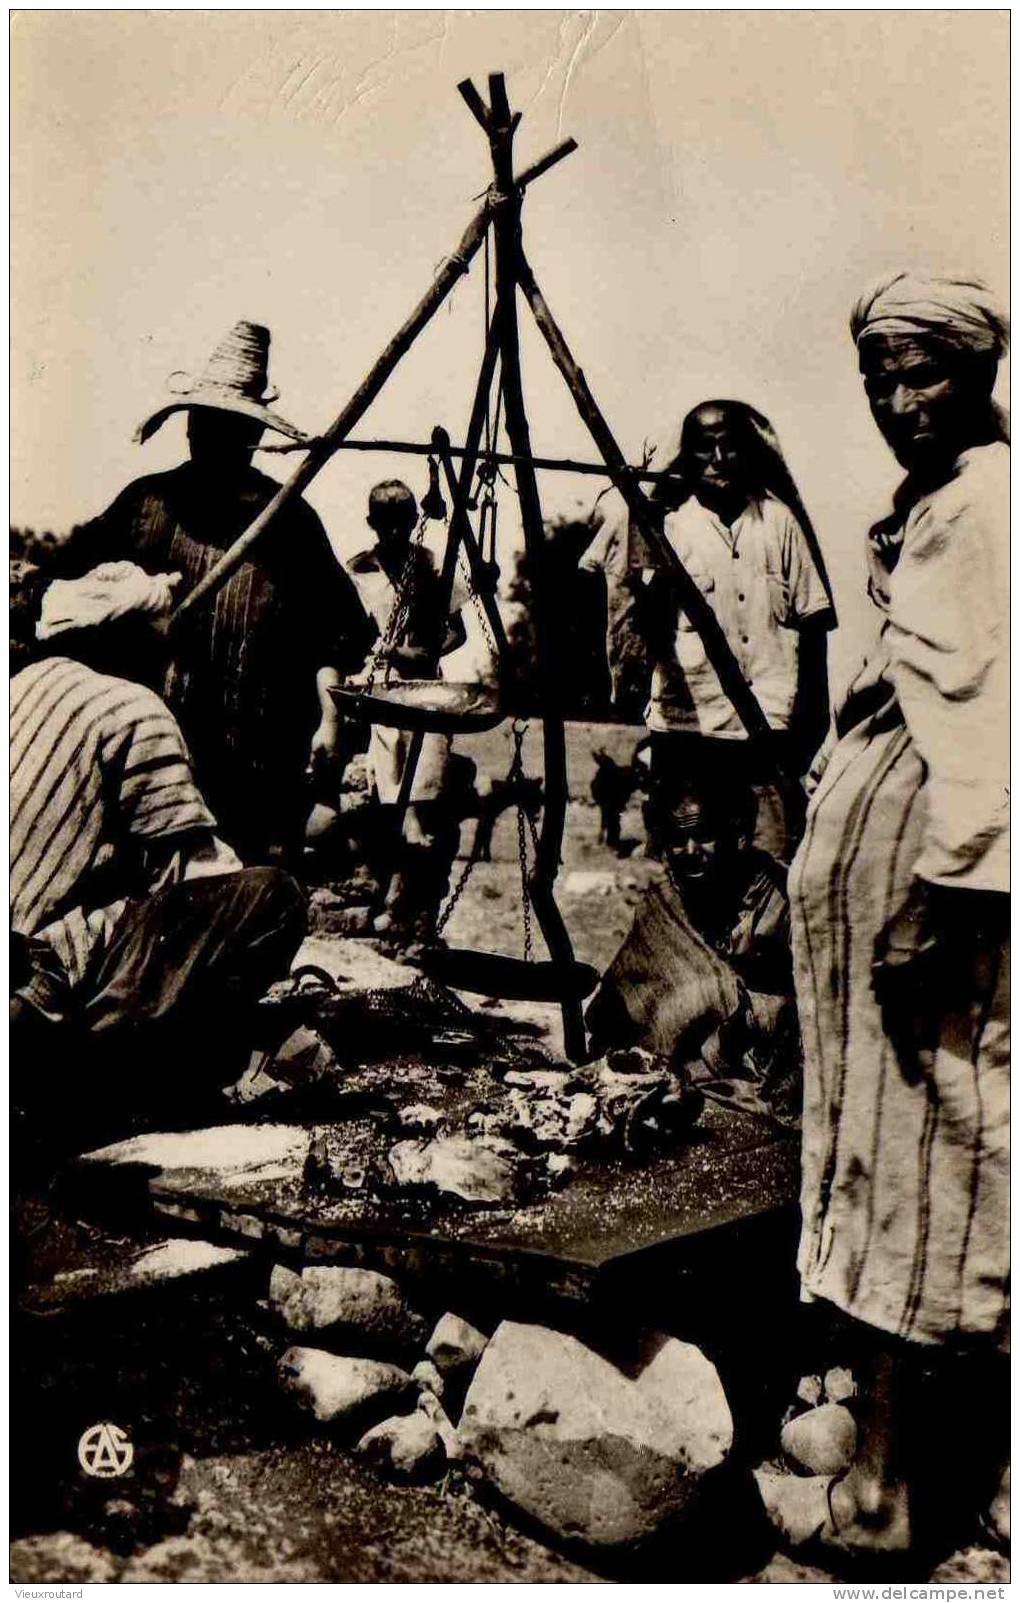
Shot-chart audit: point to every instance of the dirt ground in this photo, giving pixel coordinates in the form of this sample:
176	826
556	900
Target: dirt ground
596	890
306	1513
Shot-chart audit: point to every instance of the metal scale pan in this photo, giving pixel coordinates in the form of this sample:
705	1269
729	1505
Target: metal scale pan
436	706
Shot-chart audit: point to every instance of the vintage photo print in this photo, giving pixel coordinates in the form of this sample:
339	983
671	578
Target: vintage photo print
509	923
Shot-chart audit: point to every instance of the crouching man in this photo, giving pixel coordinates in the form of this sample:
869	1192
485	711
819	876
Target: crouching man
704	975
140	943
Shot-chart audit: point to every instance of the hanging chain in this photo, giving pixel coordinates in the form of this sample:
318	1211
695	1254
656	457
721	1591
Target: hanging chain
396	623
515	775
459	888
476	601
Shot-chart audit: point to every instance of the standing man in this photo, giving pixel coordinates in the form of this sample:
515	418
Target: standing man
900	911
401	586
251	670
732	514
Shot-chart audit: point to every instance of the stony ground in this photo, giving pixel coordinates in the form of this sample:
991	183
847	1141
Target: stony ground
305	1513
230	1490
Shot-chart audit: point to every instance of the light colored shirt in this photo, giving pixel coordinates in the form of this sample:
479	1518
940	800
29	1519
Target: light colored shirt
762	583
948	640
388	748
471	662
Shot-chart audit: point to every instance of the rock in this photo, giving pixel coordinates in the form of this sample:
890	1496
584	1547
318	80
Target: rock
347	913
589	1453
432	1408
339	1390
996	1521
809	1390
797	1506
356	1305
784	1571
823	1440
481	1123
840	1385
421	1118
620	1094
203	1558
428	1377
559	1169
482	1171
36	1560
972	1566
455	1345
407	1448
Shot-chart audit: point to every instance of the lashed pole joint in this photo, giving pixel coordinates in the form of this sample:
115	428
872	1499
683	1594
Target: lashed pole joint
321	449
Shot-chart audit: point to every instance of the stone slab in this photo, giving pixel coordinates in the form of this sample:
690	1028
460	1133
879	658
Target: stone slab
245	1183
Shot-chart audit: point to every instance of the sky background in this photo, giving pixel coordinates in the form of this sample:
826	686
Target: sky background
740	178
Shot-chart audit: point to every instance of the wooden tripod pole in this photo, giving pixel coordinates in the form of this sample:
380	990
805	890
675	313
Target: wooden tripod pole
321	449
506	227
693	602
455	534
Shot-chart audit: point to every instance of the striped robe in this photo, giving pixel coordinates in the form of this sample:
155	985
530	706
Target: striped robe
905	1173
99	773
669	987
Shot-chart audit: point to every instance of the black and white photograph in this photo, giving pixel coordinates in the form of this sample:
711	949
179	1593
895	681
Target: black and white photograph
509	799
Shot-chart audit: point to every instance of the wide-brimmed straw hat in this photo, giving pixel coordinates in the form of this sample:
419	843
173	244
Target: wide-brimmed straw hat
235	379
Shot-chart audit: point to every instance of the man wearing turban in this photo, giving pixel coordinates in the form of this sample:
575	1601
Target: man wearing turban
955	313
899	911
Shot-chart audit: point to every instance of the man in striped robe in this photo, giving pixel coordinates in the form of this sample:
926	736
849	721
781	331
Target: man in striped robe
900	923
135	928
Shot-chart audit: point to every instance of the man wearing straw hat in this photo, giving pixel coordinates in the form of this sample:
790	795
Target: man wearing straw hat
251	671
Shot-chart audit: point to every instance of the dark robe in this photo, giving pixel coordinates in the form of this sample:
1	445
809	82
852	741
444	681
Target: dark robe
242	678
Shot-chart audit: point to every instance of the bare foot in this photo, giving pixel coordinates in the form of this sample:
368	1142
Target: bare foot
995	1522
867	1515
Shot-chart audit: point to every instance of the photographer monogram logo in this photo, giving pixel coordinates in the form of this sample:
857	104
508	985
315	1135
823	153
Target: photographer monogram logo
105	1451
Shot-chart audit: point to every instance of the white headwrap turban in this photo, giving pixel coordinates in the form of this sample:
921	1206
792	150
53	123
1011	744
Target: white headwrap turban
113	590
960	311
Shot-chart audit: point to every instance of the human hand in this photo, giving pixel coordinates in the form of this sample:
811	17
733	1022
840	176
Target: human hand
913	976
324	751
